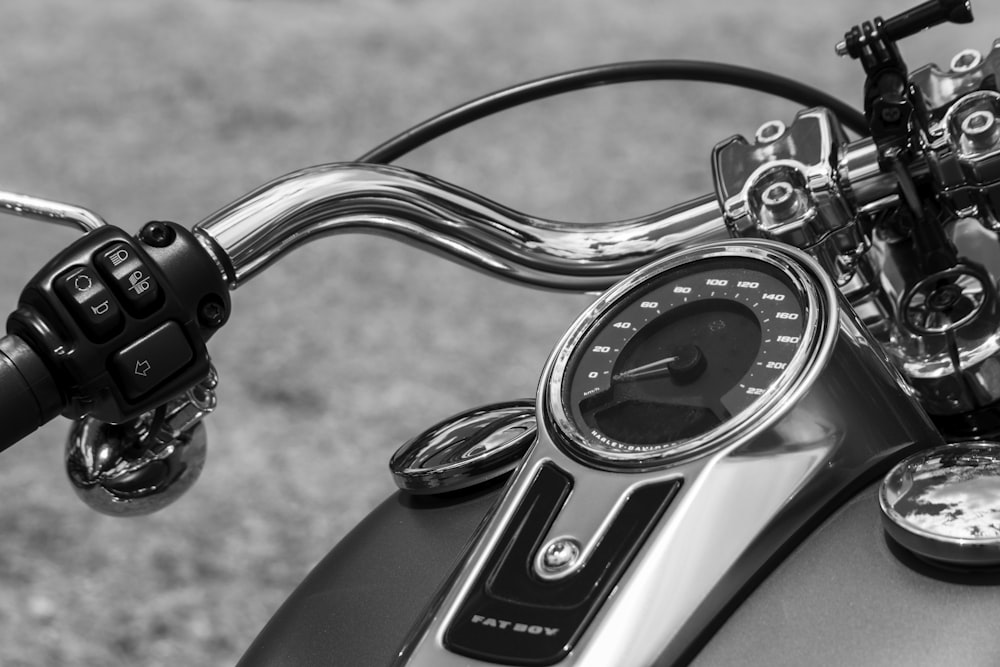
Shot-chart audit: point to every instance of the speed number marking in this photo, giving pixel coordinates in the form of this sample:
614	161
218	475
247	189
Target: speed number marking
760	291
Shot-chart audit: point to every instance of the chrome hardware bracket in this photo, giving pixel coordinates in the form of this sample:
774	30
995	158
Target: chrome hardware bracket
964	154
142	465
786	187
968	73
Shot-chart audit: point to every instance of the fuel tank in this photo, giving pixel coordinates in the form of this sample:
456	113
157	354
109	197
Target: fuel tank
846	595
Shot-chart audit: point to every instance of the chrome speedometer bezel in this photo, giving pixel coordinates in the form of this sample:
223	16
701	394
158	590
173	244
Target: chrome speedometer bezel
818	297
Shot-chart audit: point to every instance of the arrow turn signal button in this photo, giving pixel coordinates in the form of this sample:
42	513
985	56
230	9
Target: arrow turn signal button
143	365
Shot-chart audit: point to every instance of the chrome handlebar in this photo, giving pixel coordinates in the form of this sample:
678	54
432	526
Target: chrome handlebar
251	233
259	228
254	231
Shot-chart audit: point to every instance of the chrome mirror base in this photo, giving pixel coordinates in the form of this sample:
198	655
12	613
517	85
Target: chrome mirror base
143	465
466	450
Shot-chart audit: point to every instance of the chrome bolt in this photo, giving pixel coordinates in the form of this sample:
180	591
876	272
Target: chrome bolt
560	555
966	61
781	200
769	132
777	194
980	129
978	123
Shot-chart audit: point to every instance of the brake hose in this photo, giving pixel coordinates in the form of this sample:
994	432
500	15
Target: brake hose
602	75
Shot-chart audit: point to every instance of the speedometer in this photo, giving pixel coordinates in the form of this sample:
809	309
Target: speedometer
685	353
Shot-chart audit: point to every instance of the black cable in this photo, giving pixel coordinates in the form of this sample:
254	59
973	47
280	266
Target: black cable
602	75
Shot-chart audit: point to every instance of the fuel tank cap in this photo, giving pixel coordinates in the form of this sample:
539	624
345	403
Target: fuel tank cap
943	504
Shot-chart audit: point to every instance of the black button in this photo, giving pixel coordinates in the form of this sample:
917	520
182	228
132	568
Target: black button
143	365
89	301
129	277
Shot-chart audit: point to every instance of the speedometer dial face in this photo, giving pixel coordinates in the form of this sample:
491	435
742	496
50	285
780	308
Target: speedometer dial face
682	355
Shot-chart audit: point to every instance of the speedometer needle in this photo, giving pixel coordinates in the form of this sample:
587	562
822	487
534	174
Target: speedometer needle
658	367
684	365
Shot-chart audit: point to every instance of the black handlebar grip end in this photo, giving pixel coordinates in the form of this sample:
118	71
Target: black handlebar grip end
29	396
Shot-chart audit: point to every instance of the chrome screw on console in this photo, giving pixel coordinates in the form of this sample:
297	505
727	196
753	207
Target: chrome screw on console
559	556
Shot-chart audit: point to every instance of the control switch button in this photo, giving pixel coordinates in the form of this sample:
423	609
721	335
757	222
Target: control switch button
142	366
129	276
90	302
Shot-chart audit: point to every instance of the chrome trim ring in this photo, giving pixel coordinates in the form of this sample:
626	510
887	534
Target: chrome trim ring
817	296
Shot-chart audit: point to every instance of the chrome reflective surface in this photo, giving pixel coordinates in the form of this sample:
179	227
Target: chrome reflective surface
831	196
468	449
143	465
46	210
951	362
794	188
817	311
804	162
860	172
558	558
740	504
963	153
943	504
329	199
259	228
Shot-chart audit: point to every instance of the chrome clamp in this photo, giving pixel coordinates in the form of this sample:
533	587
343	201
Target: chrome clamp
145	464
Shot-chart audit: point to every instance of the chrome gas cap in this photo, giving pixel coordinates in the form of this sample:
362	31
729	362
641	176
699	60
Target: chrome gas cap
943	504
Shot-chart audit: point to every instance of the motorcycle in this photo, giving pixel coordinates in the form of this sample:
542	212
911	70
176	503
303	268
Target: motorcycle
763	486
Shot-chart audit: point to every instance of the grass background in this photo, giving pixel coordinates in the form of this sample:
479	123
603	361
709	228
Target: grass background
171	108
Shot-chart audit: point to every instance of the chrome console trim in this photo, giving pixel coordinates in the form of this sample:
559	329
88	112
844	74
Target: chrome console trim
741	503
259	228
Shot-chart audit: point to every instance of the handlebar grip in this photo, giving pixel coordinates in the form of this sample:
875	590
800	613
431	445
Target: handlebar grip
29	396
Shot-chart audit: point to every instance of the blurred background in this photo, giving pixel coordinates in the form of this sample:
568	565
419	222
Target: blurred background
168	109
